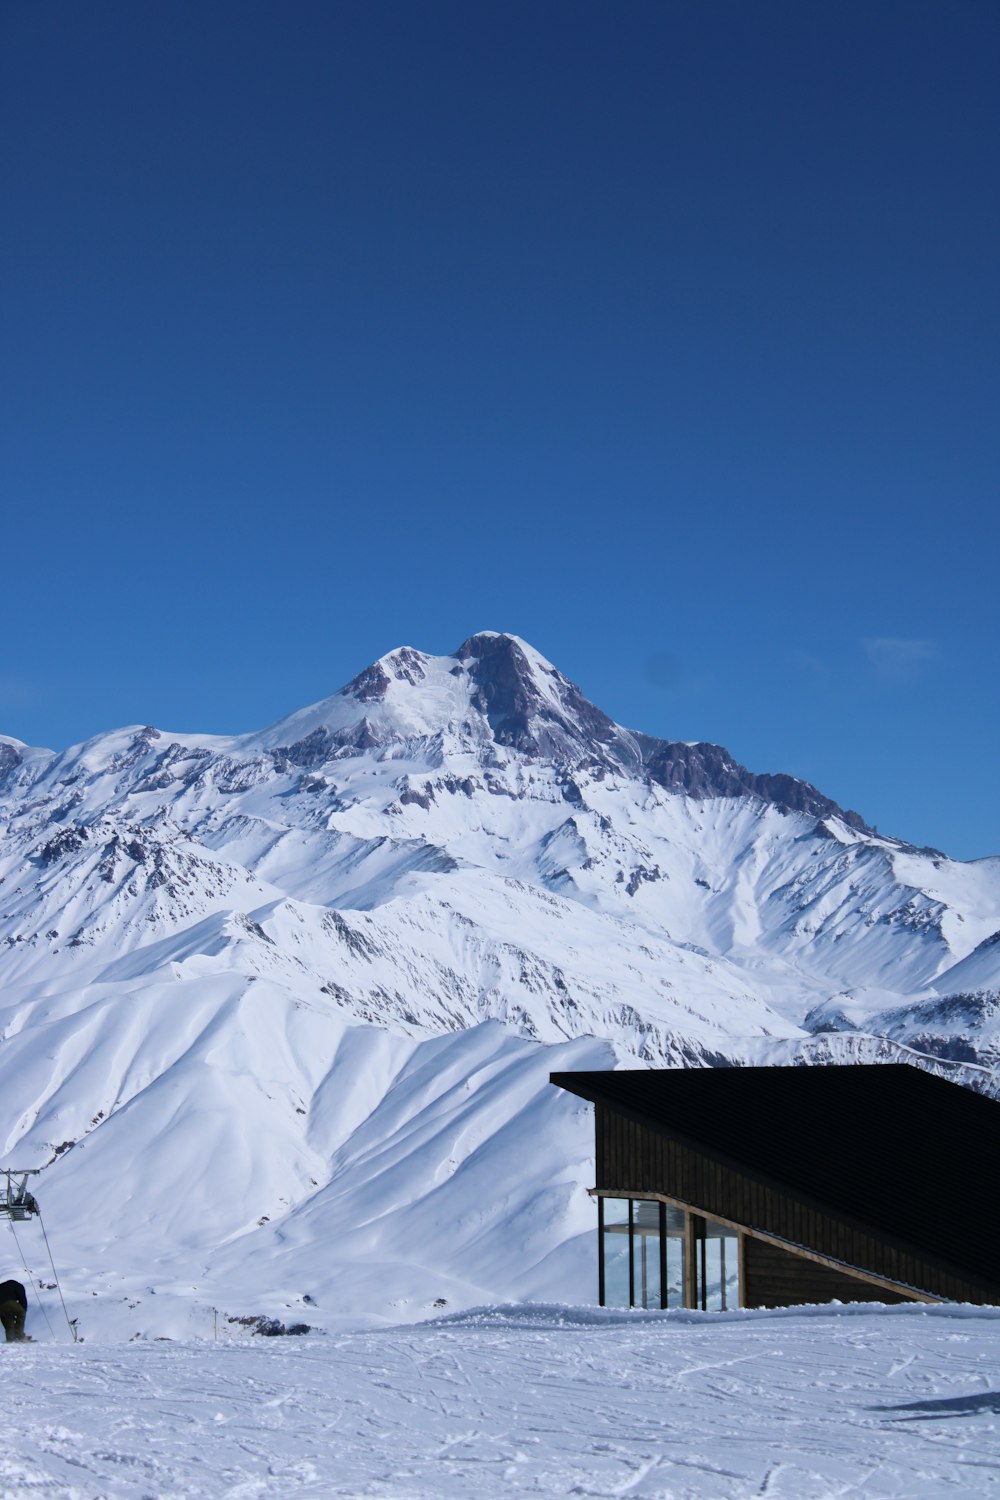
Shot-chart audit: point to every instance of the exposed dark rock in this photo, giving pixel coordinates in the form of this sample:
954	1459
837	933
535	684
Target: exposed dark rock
336	992
337	927
369	686
407	665
324	744
706	770
138	748
466	784
522	716
314	750
10	759
67	841
950	1048
420	799
111	851
639	874
156	783
60	814
269	1328
236	776
498	789
252	928
360	736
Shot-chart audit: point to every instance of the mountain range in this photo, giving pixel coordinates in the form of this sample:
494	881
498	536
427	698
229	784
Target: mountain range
278	1010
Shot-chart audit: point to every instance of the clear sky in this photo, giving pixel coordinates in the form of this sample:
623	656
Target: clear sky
664	335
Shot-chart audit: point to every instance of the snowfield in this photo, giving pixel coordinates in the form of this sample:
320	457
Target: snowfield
808	1404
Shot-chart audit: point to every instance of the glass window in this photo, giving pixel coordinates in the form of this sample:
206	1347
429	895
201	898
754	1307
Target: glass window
645	1254
675	1257
717	1265
615	1250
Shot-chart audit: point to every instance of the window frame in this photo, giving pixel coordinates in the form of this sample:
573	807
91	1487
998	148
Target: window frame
693	1237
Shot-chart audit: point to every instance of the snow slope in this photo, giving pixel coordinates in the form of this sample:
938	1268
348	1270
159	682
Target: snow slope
851	1402
278	1010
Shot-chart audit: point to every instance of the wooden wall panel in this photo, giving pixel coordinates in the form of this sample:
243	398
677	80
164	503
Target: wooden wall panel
777	1278
634	1158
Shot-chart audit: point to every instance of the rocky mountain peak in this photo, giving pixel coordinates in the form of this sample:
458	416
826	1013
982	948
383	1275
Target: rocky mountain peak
526	705
531	707
402	665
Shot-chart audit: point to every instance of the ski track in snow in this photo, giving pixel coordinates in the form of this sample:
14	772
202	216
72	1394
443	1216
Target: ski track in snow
809	1404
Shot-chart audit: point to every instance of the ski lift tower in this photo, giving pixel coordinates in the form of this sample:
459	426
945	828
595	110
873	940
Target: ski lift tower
15	1200
17	1203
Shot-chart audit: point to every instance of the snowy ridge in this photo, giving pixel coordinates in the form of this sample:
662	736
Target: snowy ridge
286	1002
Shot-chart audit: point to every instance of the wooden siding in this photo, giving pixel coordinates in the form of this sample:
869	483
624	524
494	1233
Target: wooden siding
632	1157
773	1277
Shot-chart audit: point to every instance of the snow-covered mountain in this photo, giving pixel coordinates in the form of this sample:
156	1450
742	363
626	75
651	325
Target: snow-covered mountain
293	996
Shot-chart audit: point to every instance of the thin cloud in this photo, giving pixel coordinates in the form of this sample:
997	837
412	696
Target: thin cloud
900	658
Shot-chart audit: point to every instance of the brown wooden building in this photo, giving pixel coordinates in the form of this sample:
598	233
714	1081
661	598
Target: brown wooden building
766	1187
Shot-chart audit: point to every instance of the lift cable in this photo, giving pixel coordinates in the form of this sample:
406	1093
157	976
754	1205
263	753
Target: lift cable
70	1324
27	1272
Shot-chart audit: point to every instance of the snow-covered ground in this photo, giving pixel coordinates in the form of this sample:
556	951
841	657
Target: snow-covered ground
808	1404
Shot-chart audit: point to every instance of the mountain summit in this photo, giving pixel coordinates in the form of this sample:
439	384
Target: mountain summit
496	692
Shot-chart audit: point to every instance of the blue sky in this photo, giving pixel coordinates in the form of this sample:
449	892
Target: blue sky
664	335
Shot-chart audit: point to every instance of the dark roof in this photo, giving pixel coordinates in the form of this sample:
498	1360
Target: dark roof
899	1149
